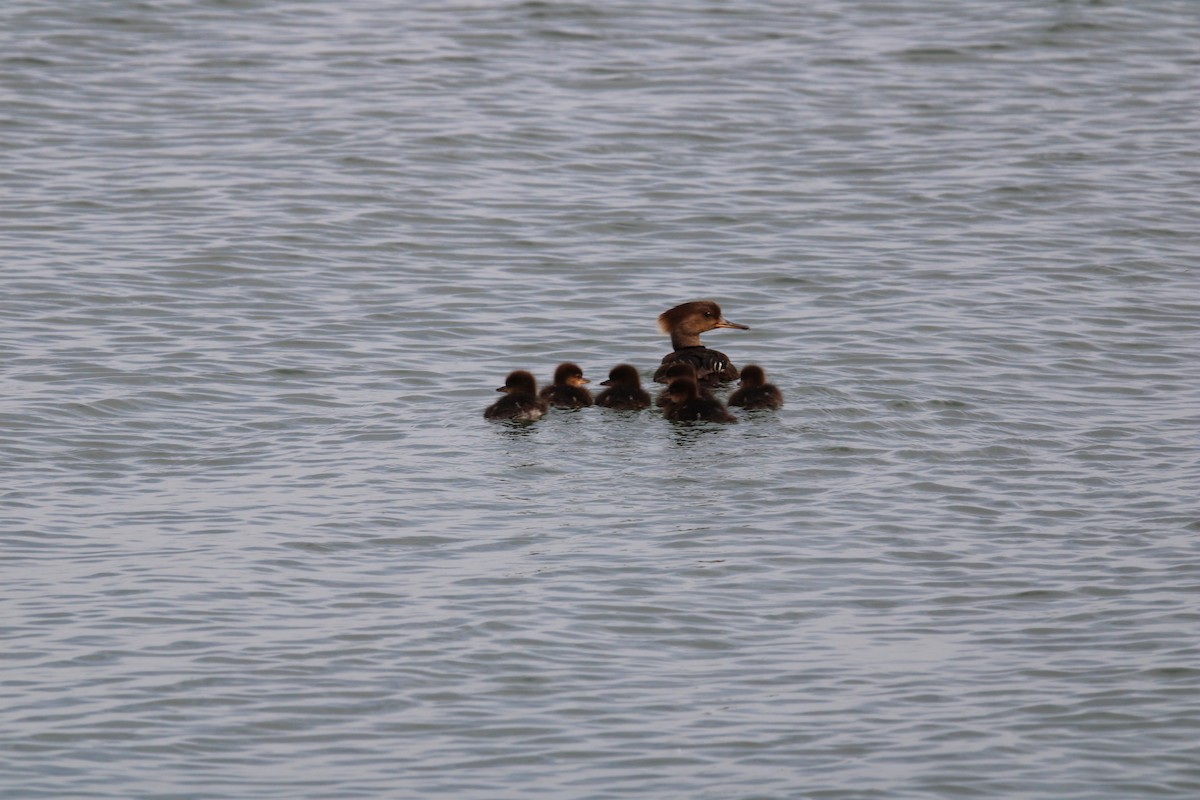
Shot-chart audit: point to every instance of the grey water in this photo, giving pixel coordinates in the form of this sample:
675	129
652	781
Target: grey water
263	265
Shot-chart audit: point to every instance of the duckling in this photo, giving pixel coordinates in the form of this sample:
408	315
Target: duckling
567	389
754	392
625	392
686	404
520	400
680	369
685	323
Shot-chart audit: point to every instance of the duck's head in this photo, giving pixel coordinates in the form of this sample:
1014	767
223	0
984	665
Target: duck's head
519	381
569	374
752	377
681	390
623	375
685	322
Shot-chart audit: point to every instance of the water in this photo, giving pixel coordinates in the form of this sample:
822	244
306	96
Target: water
264	265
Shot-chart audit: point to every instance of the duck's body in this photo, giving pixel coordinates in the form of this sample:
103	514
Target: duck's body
679	369
712	366
754	392
685	323
520	401
624	392
685	404
567	389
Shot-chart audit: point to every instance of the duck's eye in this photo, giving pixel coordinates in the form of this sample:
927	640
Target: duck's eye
708	313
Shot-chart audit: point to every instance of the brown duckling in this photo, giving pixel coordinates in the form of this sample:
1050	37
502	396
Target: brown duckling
685	323
686	405
567	389
625	392
680	369
754	392
520	400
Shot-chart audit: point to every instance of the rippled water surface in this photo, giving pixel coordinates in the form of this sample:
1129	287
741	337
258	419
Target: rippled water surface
264	265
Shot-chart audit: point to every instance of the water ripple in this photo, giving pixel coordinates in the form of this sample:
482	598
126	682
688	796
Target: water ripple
264	271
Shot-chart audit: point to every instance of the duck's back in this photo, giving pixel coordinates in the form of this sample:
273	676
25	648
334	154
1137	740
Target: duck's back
516	405
755	398
712	366
699	410
566	396
624	398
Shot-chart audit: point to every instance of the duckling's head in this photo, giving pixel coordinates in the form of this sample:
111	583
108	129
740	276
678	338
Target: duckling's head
681	390
569	374
687	321
519	381
623	375
752	377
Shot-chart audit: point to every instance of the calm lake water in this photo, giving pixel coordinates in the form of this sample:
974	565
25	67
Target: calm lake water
264	265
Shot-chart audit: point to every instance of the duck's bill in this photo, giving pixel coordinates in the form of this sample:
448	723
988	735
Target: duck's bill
724	323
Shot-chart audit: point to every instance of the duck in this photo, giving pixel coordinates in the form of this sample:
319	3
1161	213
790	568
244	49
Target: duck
680	369
686	405
625	392
685	323
754	392
520	402
566	390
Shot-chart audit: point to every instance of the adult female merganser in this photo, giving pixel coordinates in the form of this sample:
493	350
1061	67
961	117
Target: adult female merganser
625	392
686	405
685	323
520	400
754	392
567	389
